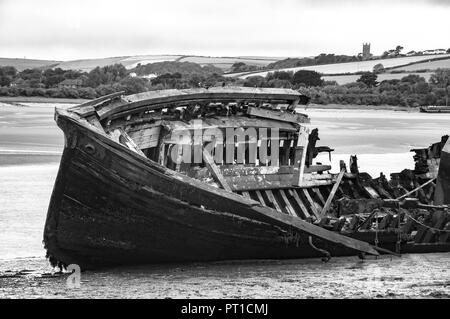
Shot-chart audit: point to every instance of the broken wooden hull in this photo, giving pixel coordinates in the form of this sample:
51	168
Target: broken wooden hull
110	207
435	109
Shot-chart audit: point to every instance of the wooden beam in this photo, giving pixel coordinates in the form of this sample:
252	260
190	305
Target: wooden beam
311	203
326	207
277	115
122	137
275	181
241	170
160	99
287	203
146	138
319	195
416	189
214	170
246	194
273	200
300	156
260	198
299	202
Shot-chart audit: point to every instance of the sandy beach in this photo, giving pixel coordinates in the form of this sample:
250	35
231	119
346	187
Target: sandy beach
30	148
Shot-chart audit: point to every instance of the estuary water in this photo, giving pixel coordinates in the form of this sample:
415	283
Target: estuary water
30	148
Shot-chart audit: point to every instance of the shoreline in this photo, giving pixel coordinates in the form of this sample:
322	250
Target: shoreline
36	99
362	107
40	99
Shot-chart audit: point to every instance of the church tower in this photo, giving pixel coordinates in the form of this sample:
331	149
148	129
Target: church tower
366	51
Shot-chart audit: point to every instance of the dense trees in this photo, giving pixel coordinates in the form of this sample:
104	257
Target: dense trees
320	59
441	78
242	67
171	67
411	90
369	79
307	78
7	74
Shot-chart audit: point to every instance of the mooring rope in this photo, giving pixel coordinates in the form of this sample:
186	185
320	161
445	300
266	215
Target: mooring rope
429	227
416	189
327	254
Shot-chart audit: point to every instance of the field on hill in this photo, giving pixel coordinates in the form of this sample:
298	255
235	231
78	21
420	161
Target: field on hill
133	61
429	65
225	63
22	64
350	67
344	79
88	64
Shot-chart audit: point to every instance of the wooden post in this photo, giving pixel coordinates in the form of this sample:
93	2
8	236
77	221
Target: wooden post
215	172
333	192
300	156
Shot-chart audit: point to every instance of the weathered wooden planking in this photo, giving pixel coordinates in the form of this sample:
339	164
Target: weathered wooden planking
326	207
120	136
131	170
260	197
242	170
316	190
214	170
277	115
276	181
371	192
287	203
88	108
160	98
273	200
235	122
312	203
92	119
146	138
300	157
299	202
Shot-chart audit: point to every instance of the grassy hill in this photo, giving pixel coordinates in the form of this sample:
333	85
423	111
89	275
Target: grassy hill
428	65
350	67
349	78
22	64
130	62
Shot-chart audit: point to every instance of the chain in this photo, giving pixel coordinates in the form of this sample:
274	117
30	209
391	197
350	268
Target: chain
376	230
429	227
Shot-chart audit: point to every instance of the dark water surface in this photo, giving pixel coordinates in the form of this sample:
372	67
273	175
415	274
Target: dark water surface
30	148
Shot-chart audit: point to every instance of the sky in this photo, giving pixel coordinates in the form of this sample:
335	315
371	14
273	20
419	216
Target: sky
78	29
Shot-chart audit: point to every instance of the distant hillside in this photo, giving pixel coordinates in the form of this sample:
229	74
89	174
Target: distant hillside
350	67
225	63
22	64
89	64
428	65
317	60
130	62
184	68
349	78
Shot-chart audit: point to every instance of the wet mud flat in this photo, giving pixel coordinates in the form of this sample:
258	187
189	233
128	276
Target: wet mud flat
411	276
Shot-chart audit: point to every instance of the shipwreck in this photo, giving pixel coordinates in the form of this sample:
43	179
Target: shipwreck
227	173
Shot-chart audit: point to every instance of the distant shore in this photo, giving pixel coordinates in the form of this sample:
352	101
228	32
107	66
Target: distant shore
362	107
38	99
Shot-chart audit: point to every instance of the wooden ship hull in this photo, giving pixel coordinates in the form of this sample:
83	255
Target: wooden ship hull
118	200
435	109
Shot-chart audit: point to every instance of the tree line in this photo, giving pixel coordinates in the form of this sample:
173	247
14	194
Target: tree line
411	90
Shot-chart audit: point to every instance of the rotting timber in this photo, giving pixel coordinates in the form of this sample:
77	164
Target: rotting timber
121	198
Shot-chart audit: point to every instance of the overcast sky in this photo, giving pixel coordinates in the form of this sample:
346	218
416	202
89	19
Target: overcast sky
75	29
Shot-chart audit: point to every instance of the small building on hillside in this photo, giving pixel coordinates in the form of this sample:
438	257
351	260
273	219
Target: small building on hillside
71	84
